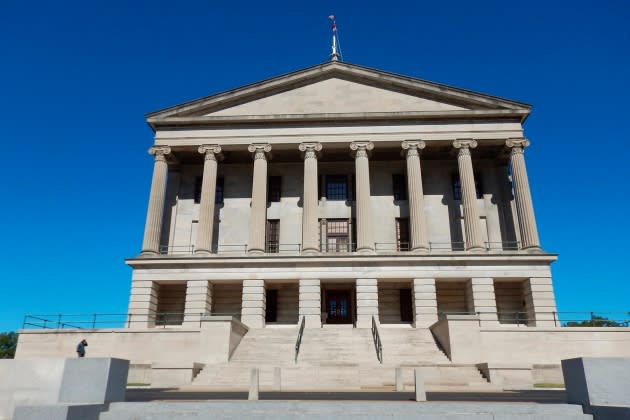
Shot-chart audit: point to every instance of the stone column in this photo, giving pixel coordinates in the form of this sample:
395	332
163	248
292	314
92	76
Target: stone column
310	200
481	293
310	302
523	196
254	303
367	302
258	217
365	242
143	302
540	303
424	303
198	301
474	239
208	190
153	227
417	221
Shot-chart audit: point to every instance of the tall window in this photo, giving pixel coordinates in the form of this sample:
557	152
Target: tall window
274	190
336	187
218	193
273	236
400	186
337	235
402	234
457	187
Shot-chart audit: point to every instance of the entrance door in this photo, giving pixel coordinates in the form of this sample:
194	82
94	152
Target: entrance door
338	307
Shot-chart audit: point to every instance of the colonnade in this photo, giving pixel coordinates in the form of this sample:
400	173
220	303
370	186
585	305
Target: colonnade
412	150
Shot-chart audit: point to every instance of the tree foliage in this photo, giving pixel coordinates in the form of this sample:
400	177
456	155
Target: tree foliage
8	344
596	321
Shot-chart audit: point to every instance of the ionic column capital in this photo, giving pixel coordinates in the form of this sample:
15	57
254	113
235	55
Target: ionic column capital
211	151
517	145
464	144
310	150
260	150
361	148
159	152
412	147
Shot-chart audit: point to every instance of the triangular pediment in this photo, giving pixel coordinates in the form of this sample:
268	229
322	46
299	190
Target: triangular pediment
337	89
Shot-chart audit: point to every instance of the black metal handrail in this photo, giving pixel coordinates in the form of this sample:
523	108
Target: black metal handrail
298	342
277	247
377	341
338	247
392	246
177	249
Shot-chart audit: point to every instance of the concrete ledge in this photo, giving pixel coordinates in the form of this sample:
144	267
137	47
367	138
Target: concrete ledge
59	412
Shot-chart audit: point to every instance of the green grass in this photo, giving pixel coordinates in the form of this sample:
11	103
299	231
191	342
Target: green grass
137	384
546	385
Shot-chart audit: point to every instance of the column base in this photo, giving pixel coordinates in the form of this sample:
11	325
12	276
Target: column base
148	253
311	251
475	248
256	251
421	250
202	252
365	250
533	250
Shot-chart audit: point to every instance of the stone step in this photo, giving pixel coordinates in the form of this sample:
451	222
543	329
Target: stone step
345	409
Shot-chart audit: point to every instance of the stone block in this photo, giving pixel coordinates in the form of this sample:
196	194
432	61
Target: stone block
253	385
309	282
58	412
309	289
250	283
310	296
94	380
597	381
399	380
421	394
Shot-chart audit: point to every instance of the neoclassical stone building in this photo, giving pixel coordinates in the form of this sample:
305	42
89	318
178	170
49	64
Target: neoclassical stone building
339	193
330	225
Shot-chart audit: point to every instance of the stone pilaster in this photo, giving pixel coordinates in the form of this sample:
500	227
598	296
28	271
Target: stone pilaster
365	243
153	227
481	294
310	200
523	196
206	205
417	220
323	235
310	302
258	217
540	303
198	301
474	239
254	303
367	302
424	303
143	302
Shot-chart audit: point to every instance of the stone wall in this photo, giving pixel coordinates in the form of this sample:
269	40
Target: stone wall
226	298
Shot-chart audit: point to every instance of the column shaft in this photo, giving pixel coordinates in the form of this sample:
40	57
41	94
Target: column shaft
253	303
310	302
153	226
206	205
474	239
424	303
310	199
417	220
481	293
522	195
198	301
365	242
258	217
367	302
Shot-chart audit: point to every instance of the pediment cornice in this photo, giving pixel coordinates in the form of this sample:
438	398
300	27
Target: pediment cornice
473	105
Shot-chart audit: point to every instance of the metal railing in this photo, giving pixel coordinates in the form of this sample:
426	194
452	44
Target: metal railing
276	248
333	247
392	246
447	246
230	249
377	341
298	342
503	246
177	249
95	320
559	319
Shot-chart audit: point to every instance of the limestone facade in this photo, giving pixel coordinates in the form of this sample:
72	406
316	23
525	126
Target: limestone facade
339	194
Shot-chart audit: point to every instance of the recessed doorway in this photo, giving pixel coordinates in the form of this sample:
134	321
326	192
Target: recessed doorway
339	307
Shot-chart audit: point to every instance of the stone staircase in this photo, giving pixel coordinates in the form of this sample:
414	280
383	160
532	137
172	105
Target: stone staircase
342	409
338	358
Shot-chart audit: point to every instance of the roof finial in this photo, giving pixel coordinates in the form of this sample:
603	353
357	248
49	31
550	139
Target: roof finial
334	56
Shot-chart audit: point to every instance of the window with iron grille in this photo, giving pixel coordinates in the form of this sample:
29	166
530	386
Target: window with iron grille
273	236
457	187
400	186
402	234
274	190
336	187
337	235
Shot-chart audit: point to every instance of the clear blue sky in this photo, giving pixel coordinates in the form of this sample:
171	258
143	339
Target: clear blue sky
76	79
